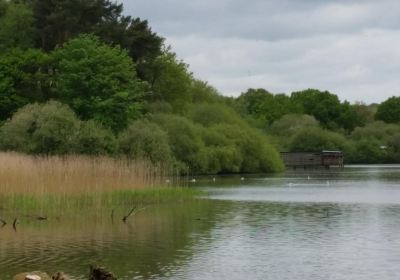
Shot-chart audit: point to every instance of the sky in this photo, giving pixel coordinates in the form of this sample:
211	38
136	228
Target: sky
348	47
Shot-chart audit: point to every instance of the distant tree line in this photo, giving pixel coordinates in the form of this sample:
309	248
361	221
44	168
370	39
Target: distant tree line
78	76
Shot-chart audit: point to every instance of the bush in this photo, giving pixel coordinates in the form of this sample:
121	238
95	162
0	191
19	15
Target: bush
317	139
389	111
94	139
185	142
144	139
49	128
211	114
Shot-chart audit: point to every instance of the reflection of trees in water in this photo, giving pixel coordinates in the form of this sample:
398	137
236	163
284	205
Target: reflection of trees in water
150	243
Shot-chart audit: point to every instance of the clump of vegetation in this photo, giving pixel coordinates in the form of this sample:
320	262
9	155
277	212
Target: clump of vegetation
51	183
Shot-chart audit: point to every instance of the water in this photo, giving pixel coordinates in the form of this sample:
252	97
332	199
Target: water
300	225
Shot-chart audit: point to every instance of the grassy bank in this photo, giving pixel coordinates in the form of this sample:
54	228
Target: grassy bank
44	184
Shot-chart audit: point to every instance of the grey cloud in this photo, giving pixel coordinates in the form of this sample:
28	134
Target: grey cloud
347	47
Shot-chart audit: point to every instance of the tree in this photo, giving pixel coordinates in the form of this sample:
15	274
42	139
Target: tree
16	26
324	106
61	20
389	111
98	82
50	128
290	124
316	140
134	35
171	81
265	106
24	78
185	142
146	140
94	139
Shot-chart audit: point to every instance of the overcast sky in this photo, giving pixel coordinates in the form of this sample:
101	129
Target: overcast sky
349	47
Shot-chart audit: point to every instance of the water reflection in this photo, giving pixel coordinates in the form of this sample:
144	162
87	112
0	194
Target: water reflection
299	225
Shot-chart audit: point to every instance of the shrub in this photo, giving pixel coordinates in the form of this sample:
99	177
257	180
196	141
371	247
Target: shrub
144	139
94	139
49	128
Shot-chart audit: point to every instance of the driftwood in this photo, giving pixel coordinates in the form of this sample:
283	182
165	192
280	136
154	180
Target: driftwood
130	213
99	273
15	224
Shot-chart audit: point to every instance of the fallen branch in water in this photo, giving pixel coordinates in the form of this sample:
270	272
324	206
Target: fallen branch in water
15	224
133	212
3	222
130	213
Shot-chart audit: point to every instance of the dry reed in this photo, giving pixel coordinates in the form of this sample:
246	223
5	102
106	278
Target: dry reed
23	174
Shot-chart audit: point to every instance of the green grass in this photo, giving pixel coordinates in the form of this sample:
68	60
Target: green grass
57	203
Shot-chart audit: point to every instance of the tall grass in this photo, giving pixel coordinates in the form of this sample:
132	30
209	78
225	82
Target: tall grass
31	182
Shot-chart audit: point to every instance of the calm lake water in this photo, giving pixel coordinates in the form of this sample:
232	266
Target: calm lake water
337	224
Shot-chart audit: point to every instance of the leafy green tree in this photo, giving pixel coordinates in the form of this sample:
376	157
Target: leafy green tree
136	36
290	124
324	106
61	20
366	113
50	128
257	154
316	140
98	82
389	111
146	140
94	139
24	78
368	151
210	114
171	81
267	107
185	142
202	92
16	26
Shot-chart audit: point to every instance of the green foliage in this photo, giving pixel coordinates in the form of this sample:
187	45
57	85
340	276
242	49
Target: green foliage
98	82
41	129
16	26
94	139
368	151
61	20
265	106
316	139
172	81
366	113
389	111
185	142
208	114
144	139
202	92
134	35
290	124
257	155
24	79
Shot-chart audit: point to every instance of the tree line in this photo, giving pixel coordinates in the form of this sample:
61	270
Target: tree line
79	76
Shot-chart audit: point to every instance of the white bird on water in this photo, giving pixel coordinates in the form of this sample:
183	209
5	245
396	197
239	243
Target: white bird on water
242	178
193	180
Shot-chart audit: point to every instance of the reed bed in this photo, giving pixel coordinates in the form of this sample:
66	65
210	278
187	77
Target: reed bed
69	182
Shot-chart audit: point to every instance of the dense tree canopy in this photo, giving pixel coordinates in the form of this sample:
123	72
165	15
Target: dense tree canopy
98	82
389	111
